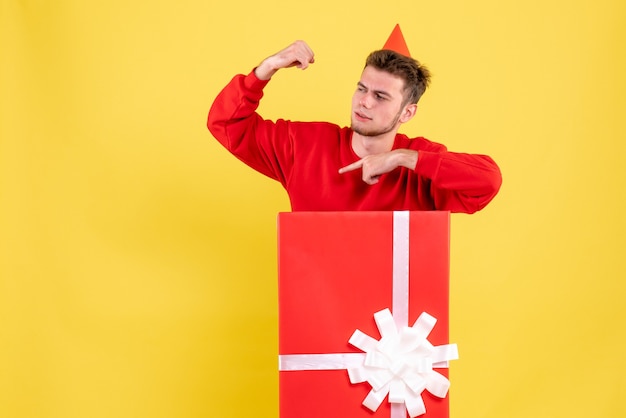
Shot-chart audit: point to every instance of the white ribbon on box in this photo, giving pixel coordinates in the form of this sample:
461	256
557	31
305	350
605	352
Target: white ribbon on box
399	365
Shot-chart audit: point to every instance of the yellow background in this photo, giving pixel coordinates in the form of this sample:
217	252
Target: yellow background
138	258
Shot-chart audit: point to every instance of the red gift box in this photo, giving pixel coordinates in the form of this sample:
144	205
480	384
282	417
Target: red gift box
336	270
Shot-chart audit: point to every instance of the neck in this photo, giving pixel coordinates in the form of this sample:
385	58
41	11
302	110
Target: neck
369	145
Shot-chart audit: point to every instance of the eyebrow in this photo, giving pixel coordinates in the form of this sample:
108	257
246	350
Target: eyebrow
379	92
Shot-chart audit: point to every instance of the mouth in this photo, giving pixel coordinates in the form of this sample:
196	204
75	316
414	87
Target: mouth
361	117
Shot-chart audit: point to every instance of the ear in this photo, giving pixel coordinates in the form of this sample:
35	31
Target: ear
408	112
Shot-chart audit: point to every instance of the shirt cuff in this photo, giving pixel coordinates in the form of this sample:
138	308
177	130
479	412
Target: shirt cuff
252	82
428	164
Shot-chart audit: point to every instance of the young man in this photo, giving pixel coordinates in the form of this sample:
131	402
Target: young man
368	166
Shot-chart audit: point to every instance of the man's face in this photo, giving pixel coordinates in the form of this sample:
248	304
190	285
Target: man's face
377	104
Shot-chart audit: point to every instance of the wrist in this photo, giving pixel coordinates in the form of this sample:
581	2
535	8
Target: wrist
407	158
265	71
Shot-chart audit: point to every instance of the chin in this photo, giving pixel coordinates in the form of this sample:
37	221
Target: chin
361	131
356	127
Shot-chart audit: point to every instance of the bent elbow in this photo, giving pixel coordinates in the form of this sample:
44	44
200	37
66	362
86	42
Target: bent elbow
491	189
213	121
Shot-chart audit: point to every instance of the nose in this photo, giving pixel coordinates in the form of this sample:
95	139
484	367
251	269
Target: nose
364	101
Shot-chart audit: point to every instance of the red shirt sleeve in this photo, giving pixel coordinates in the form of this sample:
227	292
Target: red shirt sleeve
459	182
262	144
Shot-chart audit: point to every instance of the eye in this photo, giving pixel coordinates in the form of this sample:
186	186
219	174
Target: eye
380	96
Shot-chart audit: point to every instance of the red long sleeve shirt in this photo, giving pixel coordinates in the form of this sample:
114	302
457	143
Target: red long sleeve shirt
305	158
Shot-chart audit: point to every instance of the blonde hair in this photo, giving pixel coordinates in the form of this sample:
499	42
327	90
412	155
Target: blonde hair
415	75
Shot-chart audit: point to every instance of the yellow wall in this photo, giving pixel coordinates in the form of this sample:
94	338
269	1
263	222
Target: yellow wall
137	257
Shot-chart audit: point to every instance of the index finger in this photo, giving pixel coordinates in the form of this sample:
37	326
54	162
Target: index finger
351	167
